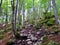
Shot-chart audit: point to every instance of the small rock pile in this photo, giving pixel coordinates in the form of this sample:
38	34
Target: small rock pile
30	35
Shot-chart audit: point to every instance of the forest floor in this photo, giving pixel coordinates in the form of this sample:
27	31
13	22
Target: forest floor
31	35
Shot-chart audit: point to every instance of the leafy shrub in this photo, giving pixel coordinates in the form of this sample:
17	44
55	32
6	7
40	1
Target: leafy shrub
48	15
50	22
39	22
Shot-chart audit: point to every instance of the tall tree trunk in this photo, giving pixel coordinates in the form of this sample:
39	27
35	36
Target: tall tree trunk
39	10
13	9
34	12
15	14
23	16
55	11
19	11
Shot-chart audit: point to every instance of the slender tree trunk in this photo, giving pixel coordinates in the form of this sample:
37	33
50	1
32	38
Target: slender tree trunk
19	11
23	16
15	14
34	12
13	9
55	11
39	10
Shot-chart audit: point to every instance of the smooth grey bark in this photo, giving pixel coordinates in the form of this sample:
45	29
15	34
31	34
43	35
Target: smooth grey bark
19	11
55	11
39	10
23	16
34	12
15	14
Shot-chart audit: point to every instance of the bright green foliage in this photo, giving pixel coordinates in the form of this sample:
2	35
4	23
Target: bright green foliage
50	22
